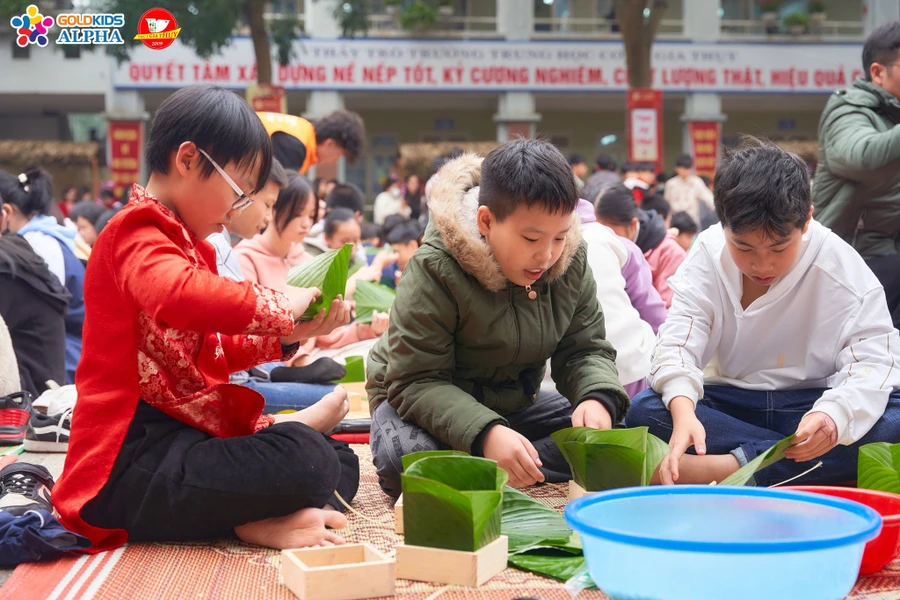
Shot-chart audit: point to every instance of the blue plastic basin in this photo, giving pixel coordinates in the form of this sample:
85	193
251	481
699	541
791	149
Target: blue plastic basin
716	543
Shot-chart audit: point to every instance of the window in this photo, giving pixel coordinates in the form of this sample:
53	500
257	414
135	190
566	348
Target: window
71	50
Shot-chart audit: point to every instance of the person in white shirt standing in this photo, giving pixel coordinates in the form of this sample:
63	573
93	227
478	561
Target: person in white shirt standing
777	327
686	191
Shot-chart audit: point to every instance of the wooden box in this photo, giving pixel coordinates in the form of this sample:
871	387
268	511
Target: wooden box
398	515
452	567
347	572
575	491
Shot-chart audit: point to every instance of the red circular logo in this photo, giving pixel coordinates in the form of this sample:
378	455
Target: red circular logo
157	29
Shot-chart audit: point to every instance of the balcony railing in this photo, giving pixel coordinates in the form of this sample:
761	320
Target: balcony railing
754	29
447	26
594	28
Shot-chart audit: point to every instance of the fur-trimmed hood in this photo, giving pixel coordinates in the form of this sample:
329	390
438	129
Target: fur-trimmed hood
453	203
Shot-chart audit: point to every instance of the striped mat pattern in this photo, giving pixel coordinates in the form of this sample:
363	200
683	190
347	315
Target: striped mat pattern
228	569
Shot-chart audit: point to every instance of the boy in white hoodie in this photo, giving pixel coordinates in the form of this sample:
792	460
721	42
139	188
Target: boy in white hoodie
777	327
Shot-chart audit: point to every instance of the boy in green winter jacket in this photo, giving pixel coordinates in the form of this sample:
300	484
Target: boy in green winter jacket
500	285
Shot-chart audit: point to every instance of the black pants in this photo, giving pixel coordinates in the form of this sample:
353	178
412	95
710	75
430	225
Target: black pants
887	270
172	482
393	438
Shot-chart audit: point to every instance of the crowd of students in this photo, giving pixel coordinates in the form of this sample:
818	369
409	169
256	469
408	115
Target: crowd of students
530	303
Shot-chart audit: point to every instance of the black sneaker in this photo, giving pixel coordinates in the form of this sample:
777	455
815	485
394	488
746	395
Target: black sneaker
48	433
25	487
15	411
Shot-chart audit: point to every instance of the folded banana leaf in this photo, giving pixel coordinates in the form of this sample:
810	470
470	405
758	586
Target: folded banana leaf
452	502
356	370
770	456
370	297
528	523
609	459
879	467
328	273
549	562
409	459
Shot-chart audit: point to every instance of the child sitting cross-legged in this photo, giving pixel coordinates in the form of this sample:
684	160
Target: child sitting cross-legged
777	327
500	285
162	447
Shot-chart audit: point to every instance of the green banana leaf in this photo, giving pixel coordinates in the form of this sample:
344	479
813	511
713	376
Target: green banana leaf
550	562
356	370
879	467
328	273
528	523
409	459
370	297
610	459
452	502
770	456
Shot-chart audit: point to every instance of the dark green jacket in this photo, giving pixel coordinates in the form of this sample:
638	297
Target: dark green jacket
465	346
856	191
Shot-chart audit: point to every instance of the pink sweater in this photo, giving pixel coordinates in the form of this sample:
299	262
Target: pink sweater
664	260
260	265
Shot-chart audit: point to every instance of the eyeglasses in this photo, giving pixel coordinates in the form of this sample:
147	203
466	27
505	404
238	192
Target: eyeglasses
243	200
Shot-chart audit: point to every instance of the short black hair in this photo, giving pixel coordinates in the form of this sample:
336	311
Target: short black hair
347	130
684	223
529	173
345	195
645	166
391	222
107	193
108	214
336	217
277	174
370	231
761	186
404	234
881	46
627	166
605	162
658	203
216	120
292	201
576	159
90	211
288	150
684	161
615	204
31	191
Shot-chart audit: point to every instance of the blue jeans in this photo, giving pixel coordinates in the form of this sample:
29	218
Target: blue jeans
746	423
287	395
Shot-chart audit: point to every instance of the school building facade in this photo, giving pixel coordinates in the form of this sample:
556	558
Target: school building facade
489	69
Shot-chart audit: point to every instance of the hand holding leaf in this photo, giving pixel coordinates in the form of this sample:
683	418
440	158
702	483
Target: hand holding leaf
687	431
591	413
514	454
300	299
816	435
338	315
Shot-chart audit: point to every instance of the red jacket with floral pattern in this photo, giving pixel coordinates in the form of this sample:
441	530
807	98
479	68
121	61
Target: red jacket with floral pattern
161	326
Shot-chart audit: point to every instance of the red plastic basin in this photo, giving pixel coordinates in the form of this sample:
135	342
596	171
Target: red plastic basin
883	549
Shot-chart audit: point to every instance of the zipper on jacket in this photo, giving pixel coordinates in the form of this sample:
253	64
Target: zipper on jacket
512	305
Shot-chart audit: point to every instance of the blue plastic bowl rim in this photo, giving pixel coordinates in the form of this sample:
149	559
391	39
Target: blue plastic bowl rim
871	530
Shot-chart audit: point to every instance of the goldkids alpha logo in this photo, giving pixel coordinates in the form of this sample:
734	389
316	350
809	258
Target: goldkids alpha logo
157	29
31	28
90	29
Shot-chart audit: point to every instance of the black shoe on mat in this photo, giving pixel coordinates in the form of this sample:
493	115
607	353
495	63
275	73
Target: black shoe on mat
25	487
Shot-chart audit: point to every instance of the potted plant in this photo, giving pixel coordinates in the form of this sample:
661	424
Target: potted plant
797	23
609	459
464	491
769	10
419	16
817	14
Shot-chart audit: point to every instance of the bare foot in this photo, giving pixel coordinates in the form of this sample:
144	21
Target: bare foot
301	529
324	415
702	469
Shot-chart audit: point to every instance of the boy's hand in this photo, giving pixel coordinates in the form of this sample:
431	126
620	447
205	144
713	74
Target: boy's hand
816	435
687	431
301	298
383	259
591	413
514	454
380	322
338	315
